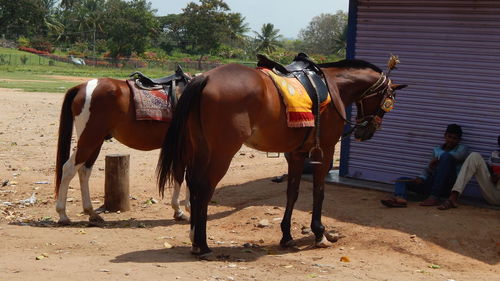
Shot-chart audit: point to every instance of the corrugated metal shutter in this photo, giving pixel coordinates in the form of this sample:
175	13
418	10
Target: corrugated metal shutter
450	58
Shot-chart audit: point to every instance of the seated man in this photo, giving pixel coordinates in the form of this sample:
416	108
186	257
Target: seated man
438	178
488	179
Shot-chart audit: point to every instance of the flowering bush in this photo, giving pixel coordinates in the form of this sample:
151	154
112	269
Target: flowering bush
33	51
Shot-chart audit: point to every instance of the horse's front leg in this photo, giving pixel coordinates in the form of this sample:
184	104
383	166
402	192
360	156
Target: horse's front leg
295	166
320	171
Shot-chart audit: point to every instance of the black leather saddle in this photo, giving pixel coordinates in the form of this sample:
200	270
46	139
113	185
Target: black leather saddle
299	63
167	83
306	71
147	83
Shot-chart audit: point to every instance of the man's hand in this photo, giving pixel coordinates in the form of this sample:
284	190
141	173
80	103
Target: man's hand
433	164
419	180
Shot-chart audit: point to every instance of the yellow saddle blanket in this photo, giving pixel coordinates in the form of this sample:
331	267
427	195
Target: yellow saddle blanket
297	101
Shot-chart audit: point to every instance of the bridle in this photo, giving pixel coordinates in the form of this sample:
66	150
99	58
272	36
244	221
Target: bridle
381	86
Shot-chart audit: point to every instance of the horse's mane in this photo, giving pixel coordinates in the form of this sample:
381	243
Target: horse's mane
351	64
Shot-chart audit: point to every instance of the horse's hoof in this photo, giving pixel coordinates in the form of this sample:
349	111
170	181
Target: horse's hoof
334	236
195	250
180	217
323	243
288	244
208	256
64	222
96	219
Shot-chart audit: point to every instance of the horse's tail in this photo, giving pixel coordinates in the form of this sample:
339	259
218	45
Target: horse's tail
65	133
172	161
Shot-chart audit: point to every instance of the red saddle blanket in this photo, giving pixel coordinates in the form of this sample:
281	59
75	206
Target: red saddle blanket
151	104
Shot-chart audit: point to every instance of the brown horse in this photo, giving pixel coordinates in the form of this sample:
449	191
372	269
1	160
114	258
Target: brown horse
102	108
233	105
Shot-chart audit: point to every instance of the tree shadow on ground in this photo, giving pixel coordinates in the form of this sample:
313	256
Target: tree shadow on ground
469	231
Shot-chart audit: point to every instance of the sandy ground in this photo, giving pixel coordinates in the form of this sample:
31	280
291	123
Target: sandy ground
415	243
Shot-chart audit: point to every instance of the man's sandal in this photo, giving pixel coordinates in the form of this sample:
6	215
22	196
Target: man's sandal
393	203
447	204
429	202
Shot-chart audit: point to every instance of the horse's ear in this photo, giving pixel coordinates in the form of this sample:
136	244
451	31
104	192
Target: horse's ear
398	86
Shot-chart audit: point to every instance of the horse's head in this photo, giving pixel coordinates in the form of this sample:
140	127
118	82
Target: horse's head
373	103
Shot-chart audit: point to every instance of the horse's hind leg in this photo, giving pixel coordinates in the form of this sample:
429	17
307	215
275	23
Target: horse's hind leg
187	201
68	172
84	176
202	177
178	213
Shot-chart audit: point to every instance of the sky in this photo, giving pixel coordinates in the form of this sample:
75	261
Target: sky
287	15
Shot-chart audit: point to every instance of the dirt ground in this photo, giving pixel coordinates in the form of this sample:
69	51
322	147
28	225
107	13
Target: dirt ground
416	243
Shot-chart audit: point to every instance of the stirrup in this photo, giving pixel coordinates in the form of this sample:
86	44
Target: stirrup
310	154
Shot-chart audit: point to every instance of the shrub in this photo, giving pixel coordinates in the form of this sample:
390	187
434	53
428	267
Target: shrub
3	59
33	51
24	59
42	44
79	49
23	41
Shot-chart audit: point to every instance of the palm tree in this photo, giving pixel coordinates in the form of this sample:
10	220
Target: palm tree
268	39
340	42
237	28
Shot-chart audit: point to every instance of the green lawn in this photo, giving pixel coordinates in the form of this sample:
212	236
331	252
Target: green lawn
15	74
45	85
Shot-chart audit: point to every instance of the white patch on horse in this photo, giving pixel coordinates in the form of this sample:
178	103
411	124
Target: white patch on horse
69	171
82	119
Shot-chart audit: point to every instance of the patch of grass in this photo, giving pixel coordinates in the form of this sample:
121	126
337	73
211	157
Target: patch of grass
29	83
14	73
10	62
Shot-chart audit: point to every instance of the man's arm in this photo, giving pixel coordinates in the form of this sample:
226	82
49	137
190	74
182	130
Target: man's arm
460	152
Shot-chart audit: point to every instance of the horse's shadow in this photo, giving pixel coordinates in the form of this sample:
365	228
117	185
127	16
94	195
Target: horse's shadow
221	253
128	223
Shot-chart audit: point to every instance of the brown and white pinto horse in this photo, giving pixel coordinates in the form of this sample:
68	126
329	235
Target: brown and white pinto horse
100	109
233	105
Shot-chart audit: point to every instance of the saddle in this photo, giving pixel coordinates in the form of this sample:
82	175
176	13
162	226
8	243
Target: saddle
167	83
150	84
299	63
309	75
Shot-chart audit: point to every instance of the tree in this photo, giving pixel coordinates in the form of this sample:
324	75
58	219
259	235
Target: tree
205	26
83	21
268	39
237	28
326	34
170	32
25	17
129	26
